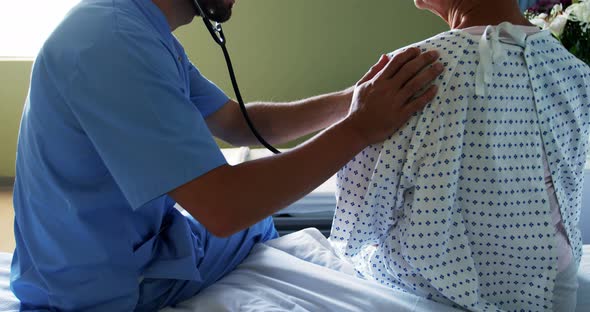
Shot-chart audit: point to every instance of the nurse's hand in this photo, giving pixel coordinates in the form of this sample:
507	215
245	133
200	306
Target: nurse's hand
386	97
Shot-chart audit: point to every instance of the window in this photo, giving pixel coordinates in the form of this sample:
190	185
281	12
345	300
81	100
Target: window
25	24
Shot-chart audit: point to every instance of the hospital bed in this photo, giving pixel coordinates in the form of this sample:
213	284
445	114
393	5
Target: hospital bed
301	272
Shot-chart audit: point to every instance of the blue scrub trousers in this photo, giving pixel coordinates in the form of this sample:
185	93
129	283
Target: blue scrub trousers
221	256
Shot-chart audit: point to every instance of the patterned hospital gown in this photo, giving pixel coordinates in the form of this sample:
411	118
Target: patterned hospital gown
453	207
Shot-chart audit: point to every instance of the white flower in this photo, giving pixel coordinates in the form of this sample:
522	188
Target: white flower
558	25
580	12
540	21
557	9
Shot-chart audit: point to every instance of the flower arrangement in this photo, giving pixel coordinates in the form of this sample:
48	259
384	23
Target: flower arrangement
568	20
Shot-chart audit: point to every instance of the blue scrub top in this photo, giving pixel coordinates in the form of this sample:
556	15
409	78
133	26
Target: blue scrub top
113	121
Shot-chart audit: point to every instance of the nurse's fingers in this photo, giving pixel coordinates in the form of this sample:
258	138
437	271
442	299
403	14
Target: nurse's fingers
410	69
419	102
396	63
374	70
420	81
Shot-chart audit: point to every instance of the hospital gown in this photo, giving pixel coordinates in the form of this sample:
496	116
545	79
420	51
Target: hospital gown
453	207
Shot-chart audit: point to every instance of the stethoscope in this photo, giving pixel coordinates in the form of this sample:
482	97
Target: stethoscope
217	34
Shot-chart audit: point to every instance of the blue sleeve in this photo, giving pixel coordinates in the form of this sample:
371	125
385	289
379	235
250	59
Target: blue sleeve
126	93
204	94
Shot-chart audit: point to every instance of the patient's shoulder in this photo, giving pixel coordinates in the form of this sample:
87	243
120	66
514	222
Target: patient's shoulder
452	45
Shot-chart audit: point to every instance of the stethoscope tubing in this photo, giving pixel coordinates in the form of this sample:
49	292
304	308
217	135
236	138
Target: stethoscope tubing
219	37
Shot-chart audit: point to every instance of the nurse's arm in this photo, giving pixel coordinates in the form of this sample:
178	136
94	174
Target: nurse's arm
229	199
279	123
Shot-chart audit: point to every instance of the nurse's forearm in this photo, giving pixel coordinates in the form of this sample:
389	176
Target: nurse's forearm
229	199
280	123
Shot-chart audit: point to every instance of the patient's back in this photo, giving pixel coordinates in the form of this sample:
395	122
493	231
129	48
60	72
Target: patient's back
454	206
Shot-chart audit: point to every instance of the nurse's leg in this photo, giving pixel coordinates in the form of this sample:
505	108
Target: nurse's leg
221	255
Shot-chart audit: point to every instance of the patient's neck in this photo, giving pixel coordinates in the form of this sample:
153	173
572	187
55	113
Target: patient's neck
468	13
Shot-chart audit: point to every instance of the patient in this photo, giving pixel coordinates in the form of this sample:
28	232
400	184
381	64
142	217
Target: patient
475	202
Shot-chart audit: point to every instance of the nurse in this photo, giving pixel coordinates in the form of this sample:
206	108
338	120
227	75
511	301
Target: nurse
118	127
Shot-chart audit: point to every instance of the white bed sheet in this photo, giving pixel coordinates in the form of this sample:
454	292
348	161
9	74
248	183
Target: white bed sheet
7	300
298	272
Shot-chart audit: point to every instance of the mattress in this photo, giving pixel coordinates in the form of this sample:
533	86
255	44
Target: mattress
299	272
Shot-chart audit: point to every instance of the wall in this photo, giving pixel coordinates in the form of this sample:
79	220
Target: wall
14	82
281	50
